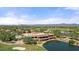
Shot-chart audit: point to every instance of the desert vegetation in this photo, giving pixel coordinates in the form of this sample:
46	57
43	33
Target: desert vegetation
8	33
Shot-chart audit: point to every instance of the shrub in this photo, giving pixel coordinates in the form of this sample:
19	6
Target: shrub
29	40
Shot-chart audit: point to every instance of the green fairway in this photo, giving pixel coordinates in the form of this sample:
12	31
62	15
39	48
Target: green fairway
6	47
27	46
34	48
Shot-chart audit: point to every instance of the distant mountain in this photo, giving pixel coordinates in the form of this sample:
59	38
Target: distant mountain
59	24
62	24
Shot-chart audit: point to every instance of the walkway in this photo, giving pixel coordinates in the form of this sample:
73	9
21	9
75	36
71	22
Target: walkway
63	39
19	42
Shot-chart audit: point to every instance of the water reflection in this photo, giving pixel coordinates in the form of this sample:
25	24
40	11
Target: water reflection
59	46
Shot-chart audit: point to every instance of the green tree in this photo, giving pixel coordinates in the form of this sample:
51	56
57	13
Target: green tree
6	36
71	42
29	40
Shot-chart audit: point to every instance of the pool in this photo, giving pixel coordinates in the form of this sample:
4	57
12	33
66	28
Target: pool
59	46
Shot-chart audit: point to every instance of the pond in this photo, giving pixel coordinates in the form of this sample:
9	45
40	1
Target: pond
59	46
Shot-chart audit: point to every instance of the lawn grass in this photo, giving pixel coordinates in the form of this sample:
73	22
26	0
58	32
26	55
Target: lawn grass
6	47
28	47
34	48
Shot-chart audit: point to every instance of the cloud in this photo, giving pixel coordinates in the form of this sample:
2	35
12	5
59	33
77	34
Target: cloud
75	9
72	8
12	19
48	21
56	21
17	21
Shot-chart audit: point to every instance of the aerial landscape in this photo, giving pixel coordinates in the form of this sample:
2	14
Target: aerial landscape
39	29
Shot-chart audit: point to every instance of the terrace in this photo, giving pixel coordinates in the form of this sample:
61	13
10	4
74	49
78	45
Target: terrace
39	36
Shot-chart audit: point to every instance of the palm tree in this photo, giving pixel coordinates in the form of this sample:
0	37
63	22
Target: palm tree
29	40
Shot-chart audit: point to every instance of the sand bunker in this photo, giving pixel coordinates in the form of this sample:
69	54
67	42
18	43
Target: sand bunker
19	48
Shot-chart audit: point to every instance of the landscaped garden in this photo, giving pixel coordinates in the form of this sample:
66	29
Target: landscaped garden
10	35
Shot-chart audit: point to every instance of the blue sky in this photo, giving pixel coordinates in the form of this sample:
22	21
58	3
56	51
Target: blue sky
39	15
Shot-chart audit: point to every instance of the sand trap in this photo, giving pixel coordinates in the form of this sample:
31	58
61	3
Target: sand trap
19	48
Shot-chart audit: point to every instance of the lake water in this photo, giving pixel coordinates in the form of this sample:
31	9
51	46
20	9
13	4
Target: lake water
59	46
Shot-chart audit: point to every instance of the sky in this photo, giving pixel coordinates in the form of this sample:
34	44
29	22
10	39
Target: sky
38	15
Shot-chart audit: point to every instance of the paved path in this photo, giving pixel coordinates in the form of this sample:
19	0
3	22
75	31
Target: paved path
19	42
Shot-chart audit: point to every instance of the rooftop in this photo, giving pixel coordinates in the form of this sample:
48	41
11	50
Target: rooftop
35	34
